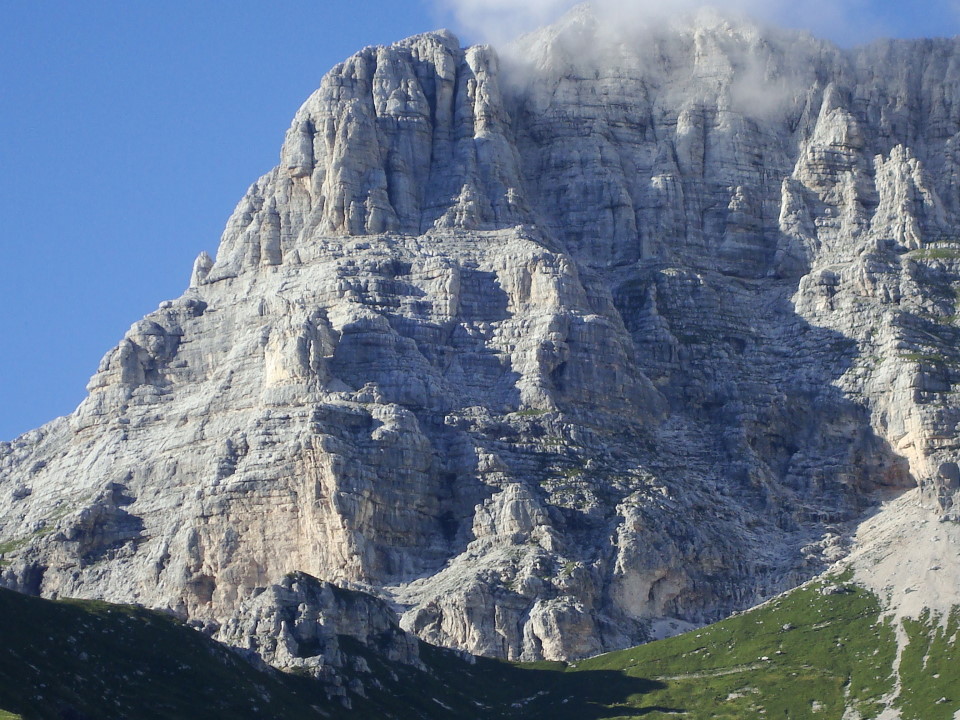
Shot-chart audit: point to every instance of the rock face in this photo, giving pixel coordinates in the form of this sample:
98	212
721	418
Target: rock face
298	625
618	329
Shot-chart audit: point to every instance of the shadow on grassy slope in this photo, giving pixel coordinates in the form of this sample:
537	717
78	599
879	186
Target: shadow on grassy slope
85	659
822	651
551	692
80	660
482	688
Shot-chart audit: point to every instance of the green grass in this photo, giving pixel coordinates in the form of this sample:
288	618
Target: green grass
91	659
14	545
929	670
925	357
531	412
10	546
941	253
804	655
807	654
816	653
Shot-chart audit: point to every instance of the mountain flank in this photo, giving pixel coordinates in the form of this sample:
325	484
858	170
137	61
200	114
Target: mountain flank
551	352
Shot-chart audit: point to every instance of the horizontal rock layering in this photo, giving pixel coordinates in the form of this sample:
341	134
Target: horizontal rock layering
551	349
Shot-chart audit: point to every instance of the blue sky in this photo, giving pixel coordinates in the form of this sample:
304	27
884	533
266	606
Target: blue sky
130	129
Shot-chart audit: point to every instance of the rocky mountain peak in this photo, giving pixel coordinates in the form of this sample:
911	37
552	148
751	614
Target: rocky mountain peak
554	356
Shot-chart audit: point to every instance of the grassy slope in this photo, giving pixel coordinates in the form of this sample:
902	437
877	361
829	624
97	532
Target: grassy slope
807	654
928	668
804	655
825	652
85	659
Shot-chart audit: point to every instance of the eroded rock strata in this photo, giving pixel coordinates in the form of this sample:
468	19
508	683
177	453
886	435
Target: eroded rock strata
558	351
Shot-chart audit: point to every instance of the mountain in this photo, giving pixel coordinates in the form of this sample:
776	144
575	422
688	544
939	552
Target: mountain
557	351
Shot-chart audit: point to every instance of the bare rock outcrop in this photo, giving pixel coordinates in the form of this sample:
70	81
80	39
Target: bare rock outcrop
619	327
299	625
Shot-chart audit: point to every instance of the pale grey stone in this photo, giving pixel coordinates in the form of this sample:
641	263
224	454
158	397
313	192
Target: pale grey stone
623	326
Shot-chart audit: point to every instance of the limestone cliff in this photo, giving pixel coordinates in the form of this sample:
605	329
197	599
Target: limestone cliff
558	351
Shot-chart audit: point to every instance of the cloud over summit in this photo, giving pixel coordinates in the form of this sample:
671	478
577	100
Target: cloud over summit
844	21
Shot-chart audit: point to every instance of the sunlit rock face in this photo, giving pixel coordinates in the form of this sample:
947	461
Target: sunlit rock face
614	329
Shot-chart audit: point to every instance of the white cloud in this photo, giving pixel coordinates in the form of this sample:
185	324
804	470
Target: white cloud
844	21
498	21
